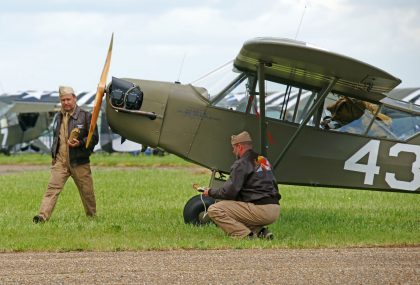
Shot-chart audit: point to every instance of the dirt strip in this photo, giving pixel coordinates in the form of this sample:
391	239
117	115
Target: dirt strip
286	266
16	168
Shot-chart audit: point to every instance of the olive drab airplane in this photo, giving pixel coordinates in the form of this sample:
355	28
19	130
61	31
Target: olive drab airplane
332	126
26	117
23	119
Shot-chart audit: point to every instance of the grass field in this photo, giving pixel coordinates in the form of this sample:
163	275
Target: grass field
140	208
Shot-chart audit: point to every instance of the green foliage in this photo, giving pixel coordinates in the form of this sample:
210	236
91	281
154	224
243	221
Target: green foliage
141	209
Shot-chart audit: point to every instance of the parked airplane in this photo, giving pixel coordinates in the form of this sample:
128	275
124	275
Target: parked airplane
411	95
343	131
25	119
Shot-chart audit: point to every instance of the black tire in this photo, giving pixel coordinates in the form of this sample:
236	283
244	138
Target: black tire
194	210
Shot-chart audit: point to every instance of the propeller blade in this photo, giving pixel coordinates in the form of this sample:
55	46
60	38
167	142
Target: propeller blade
100	93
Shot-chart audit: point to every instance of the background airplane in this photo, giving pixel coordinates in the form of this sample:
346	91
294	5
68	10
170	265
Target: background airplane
411	95
26	117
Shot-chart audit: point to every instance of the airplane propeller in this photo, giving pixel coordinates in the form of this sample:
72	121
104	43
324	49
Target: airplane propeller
100	92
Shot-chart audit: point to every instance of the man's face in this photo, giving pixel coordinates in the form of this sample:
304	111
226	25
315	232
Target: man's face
236	150
68	102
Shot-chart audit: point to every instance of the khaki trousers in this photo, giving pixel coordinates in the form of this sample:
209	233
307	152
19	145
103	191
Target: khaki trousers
82	177
239	219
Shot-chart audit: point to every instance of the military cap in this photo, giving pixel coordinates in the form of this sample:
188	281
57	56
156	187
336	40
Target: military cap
241	138
65	90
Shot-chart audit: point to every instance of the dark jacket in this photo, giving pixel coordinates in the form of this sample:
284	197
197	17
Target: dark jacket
80	119
250	180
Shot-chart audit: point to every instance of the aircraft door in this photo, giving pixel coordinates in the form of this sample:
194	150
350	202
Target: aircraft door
285	102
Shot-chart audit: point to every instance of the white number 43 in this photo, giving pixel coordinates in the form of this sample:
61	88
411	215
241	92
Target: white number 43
371	169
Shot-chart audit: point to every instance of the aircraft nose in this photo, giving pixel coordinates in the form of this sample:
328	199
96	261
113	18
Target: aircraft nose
125	95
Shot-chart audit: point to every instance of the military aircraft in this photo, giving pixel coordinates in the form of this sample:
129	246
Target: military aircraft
23	118
26	116
411	95
375	146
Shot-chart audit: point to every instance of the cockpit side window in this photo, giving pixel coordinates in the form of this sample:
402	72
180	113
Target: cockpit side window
351	115
285	102
215	82
236	96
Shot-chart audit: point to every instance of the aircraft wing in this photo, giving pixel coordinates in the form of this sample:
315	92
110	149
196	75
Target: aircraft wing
39	102
4	108
411	95
24	107
300	63
28	102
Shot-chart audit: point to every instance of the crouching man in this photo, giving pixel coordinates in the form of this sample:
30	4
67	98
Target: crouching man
250	197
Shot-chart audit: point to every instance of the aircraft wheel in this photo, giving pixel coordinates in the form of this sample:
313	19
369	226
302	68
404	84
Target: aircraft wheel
194	210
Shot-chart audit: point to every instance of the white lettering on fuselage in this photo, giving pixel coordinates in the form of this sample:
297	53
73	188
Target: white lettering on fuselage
371	168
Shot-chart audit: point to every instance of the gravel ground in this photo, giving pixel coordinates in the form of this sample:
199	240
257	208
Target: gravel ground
285	266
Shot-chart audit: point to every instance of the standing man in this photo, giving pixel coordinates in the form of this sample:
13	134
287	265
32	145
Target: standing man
250	197
69	156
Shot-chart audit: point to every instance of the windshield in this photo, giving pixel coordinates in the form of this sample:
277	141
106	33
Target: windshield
215	81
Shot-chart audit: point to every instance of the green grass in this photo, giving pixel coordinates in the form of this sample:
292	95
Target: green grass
34	159
141	209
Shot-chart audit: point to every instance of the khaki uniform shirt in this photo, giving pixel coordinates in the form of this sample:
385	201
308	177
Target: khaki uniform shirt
63	150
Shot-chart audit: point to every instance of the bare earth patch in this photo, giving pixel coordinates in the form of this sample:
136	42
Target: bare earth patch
13	168
18	168
284	266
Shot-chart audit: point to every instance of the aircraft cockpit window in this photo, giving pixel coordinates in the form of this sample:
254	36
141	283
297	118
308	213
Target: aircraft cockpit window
285	102
236	96
217	81
355	116
404	125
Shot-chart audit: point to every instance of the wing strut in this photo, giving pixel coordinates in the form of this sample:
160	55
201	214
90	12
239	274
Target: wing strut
320	99
263	125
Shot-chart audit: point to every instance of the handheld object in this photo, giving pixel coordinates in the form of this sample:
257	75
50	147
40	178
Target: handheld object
74	134
198	188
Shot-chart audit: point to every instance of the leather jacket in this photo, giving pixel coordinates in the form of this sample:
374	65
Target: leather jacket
80	119
251	180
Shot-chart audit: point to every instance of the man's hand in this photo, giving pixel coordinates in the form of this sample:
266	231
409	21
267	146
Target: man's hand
74	143
203	190
206	192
